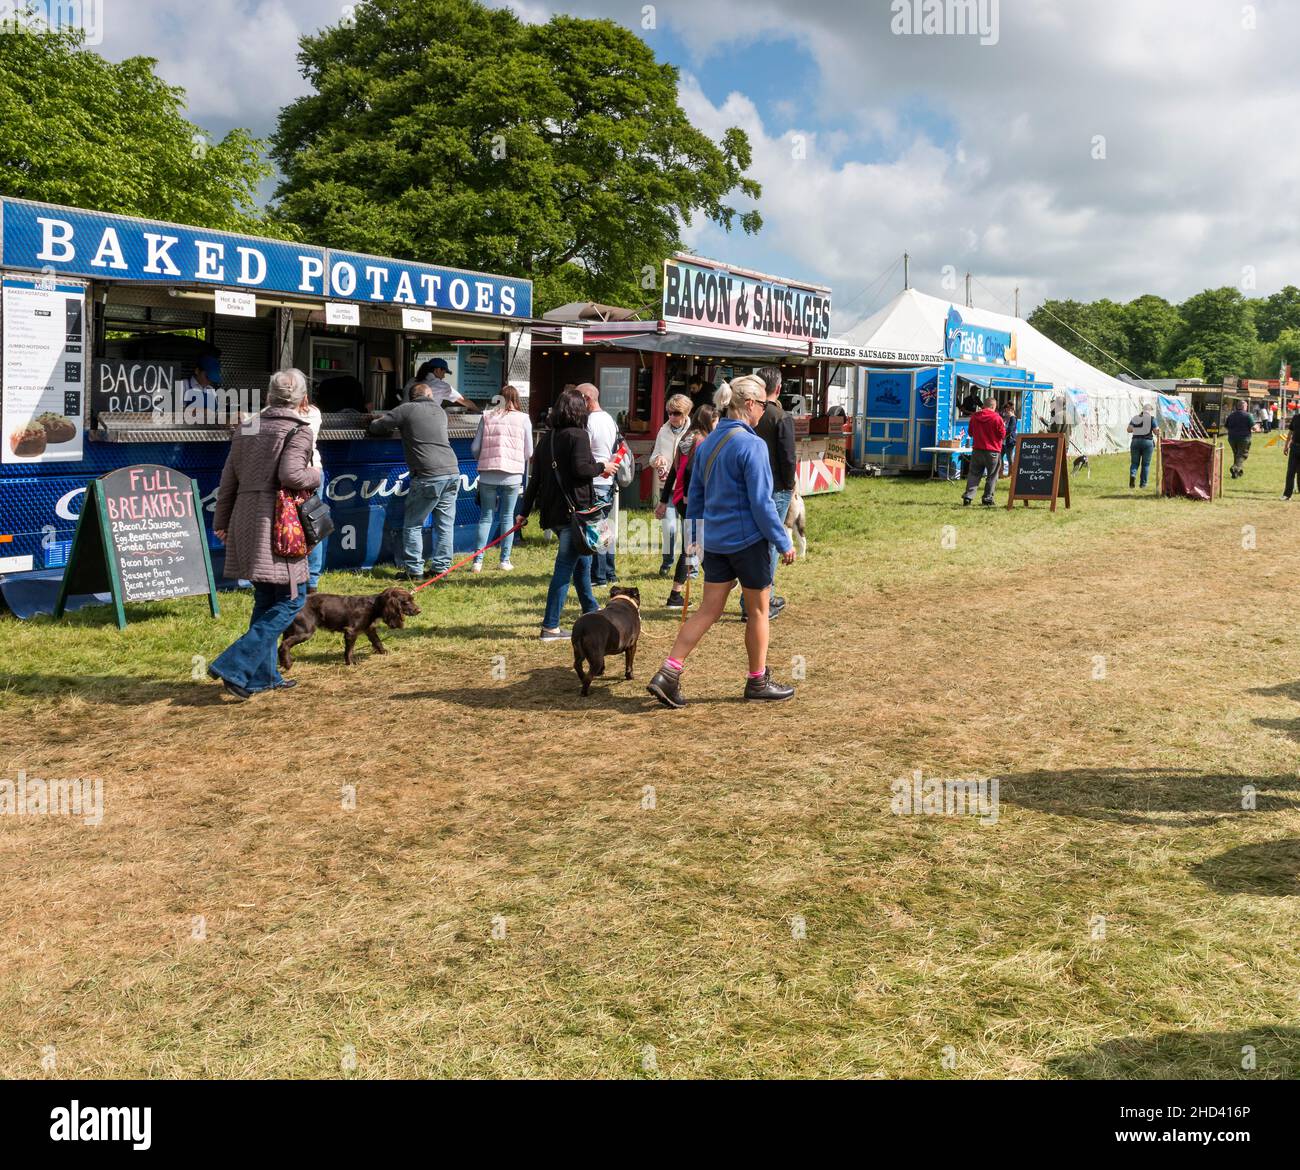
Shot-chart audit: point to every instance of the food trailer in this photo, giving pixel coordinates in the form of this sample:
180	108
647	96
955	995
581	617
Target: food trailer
911	411
715	322
105	317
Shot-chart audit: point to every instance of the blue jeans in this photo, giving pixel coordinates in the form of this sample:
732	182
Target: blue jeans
316	557
497	502
669	528
436	494
781	502
570	565
250	661
781	499
1140	453
315	563
602	566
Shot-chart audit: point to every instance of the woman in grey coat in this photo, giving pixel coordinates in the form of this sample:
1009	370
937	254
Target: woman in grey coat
272	450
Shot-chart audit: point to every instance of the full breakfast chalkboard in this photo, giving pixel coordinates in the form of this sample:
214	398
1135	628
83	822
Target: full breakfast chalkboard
140	537
1038	470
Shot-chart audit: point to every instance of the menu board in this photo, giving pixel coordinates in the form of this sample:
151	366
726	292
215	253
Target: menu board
615	389
41	406
481	371
1038	470
140	537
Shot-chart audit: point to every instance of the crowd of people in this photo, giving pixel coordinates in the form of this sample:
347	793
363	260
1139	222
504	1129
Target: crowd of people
725	465
727	521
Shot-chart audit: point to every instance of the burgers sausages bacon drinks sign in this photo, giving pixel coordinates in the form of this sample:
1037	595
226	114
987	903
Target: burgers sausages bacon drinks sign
731	302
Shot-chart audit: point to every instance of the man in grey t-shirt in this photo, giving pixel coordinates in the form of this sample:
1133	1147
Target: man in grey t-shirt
434	481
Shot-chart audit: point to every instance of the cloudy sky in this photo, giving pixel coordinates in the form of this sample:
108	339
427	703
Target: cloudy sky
1098	148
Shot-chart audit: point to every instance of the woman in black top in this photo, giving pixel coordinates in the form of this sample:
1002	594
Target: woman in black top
560	482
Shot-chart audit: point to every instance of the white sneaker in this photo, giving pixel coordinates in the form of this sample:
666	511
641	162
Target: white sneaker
476	567
1286	497
507	567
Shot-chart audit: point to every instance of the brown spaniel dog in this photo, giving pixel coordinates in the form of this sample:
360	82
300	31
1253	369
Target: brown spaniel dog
349	616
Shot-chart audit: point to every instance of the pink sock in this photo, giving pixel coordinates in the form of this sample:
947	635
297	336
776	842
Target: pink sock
674	665
758	673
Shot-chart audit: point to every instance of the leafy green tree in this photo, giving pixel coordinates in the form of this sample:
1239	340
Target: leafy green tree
1219	328
1150	325
1283	350
1278	312
1188	368
81	131
444	131
1094	332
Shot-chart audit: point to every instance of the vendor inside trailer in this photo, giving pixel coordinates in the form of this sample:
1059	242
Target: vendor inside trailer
172	333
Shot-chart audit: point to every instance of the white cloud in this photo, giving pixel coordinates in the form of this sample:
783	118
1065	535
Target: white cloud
1197	182
963	155
236	59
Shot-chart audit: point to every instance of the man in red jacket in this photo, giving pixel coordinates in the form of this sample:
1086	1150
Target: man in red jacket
987	430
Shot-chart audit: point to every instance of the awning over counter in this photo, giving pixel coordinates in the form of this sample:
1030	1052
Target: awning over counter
146	428
688	345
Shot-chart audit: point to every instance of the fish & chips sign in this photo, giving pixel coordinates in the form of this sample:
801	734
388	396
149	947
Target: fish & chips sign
728	301
975	343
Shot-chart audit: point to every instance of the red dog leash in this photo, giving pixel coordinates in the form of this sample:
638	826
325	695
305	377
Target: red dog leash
466	560
622	451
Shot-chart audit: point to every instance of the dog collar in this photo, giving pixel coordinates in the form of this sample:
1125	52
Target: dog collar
620	597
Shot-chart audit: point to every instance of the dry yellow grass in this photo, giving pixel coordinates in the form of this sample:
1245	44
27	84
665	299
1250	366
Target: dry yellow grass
1125	671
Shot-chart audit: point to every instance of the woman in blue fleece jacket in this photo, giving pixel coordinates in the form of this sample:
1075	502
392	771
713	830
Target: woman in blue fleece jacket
730	514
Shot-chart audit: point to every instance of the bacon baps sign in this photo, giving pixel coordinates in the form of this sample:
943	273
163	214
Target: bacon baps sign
744	303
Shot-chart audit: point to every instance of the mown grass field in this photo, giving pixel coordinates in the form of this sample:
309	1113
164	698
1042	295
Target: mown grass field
508	897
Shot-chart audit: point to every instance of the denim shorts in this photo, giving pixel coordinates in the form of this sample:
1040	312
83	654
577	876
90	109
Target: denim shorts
751	566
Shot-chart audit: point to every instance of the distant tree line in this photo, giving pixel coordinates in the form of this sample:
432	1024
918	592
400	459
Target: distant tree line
1215	334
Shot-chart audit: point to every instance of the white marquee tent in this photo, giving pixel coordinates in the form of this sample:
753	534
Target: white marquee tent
910	330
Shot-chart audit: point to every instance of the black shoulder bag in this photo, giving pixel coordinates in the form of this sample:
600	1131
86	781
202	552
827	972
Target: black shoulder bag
313	512
591	526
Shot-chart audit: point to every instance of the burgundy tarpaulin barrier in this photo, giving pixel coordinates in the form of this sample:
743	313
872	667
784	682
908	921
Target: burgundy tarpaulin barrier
1189	467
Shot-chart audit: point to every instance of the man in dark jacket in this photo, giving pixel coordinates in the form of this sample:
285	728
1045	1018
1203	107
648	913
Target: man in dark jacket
435	477
1239	425
776	429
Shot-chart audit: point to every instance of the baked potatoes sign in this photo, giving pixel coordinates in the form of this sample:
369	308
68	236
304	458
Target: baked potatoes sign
734	303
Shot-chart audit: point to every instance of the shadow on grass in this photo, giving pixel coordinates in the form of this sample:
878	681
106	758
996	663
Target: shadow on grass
465	632
1188	1056
1154	796
1265	868
114	688
554	689
1285	690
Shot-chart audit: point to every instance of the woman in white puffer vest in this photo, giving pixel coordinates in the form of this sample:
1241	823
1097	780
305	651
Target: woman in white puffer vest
663	457
503	447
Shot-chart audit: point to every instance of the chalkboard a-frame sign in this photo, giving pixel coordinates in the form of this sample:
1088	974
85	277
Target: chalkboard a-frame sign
1038	470
140	537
